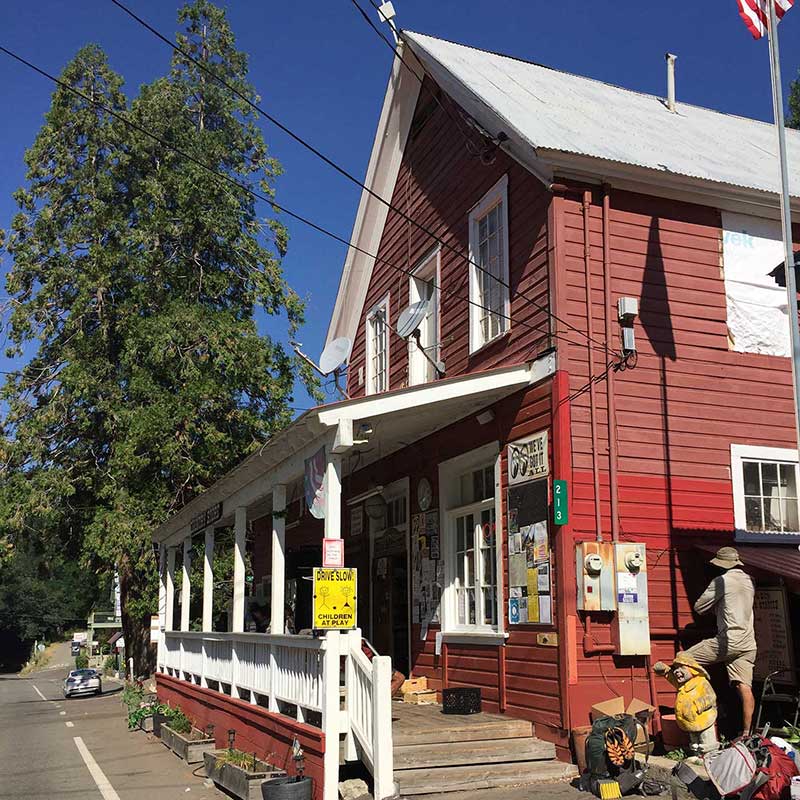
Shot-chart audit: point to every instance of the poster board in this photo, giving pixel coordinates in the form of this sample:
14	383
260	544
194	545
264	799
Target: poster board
427	570
773	633
335	599
530	593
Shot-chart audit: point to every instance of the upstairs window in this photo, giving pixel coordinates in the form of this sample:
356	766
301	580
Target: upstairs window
765	481
378	348
423	286
488	251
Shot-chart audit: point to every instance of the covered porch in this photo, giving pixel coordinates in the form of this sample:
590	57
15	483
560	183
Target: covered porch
317	687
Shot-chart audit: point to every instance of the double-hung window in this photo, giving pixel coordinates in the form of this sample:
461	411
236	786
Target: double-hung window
490	305
377	335
765	482
472	591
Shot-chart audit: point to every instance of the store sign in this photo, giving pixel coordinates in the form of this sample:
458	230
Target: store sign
527	459
333	553
773	634
357	520
334	599
206	518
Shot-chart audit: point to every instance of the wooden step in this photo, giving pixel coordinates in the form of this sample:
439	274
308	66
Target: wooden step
460	730
483	776
450	754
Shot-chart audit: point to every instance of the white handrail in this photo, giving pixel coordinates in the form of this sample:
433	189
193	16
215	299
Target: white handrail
304	672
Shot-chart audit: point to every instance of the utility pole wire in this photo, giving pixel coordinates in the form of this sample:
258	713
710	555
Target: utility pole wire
345	173
229	179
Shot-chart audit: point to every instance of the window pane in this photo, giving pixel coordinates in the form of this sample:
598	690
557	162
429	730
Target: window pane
470	576
790	520
788	480
471	605
488	477
752	507
752	482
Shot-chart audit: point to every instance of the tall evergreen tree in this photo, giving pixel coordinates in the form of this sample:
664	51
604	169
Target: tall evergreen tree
138	274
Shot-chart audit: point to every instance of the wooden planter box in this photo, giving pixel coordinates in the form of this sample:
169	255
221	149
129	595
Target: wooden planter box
153	723
190	747
239	782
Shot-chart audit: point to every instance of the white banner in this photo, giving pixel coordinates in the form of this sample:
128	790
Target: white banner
758	317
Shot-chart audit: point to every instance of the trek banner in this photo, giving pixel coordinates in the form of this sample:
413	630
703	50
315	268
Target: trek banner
335	600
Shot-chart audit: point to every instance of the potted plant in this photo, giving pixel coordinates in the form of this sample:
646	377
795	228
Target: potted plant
239	773
149	717
186	741
296	787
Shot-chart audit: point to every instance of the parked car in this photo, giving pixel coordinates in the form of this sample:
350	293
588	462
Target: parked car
75	648
83	681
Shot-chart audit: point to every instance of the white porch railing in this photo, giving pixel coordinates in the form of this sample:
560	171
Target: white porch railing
305	672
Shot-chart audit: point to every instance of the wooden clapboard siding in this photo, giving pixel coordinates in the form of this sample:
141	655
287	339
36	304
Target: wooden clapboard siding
678	411
438	183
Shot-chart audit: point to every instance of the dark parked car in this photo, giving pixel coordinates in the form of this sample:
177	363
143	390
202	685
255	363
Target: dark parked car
75	648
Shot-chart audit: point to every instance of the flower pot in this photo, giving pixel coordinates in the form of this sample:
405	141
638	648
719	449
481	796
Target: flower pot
287	789
242	783
152	724
190	747
579	737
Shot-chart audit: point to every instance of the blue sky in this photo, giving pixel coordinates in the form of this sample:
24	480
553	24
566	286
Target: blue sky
322	71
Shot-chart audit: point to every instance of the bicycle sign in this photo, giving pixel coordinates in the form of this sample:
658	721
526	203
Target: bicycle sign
527	458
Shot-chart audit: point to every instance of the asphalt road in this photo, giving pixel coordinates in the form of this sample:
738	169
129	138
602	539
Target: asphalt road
80	748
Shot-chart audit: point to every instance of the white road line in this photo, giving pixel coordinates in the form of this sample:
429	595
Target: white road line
106	789
70	724
36	689
62	713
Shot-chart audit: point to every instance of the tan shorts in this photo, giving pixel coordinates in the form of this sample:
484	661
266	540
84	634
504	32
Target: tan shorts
738	663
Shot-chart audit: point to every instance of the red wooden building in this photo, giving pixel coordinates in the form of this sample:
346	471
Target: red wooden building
523	205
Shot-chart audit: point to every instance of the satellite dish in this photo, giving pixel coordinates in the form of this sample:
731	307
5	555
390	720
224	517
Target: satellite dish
411	318
334	355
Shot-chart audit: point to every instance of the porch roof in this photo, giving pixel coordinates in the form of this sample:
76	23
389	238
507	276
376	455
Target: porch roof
397	418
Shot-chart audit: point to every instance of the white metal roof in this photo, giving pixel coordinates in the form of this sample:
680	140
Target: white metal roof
556	111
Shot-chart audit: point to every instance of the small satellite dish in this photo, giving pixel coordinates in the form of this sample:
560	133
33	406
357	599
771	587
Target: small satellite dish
334	355
411	318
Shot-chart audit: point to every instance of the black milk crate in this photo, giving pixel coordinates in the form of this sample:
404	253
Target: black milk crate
461	701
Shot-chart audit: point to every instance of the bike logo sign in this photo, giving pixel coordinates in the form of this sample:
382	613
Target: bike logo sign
527	459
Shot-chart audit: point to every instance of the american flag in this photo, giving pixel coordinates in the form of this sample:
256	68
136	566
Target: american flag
755	14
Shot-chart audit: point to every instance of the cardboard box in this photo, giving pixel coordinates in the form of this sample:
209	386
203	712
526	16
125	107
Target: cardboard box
616	705
421	697
414	685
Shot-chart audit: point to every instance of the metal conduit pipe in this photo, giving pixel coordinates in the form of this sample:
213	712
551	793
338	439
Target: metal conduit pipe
611	400
587	254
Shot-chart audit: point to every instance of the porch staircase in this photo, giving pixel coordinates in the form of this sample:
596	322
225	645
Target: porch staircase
436	753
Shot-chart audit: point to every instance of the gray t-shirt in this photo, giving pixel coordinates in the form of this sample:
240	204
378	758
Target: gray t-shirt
731	595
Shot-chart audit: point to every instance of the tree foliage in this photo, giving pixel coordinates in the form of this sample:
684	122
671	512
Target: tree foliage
135	283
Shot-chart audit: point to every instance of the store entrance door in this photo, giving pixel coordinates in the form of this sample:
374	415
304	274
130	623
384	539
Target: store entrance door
389	584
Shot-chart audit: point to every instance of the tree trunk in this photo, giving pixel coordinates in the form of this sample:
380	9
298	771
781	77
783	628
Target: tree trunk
136	628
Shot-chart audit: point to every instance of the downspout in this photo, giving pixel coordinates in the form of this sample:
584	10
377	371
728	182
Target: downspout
587	252
611	398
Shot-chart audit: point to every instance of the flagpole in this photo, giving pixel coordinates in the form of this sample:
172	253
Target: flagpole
786	210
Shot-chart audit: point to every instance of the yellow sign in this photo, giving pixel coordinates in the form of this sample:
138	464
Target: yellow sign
334	599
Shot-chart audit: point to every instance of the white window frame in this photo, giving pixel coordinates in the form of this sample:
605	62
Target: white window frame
744	452
428	267
496	195
450	473
383	305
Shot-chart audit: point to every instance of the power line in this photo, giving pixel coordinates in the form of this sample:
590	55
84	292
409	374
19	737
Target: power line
345	173
229	179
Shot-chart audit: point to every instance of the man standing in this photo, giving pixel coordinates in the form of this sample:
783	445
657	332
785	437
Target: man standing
730	595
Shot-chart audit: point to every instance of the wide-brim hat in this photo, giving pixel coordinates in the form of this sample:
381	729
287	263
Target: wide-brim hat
687	661
727	558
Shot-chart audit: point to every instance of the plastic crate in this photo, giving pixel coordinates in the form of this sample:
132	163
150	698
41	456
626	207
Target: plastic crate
461	701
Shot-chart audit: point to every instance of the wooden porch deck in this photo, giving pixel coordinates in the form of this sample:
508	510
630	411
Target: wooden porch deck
436	752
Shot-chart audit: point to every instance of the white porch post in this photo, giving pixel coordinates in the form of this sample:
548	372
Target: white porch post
278	601
162	603
331	714
186	586
333	497
240	532
208	582
170	598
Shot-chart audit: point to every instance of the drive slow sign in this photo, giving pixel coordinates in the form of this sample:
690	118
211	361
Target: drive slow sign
334	599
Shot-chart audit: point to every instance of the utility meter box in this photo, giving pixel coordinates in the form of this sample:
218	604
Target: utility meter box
594	562
632	620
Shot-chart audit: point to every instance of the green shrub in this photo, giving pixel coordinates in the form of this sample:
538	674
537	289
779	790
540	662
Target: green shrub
110	665
179	722
81	661
132	696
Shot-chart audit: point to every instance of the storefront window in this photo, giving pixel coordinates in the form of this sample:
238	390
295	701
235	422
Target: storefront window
475	550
